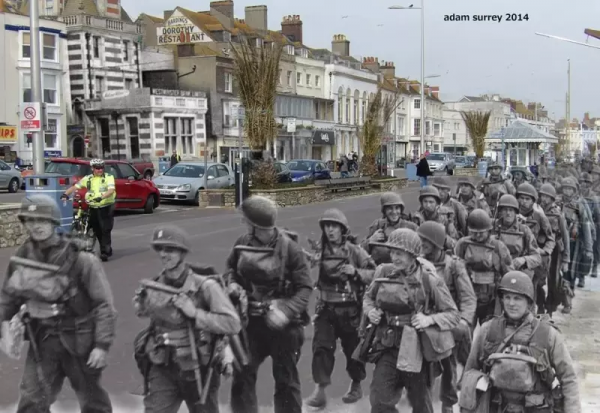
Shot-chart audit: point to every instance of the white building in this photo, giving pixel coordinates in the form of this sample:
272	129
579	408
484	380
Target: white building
501	115
456	135
15	78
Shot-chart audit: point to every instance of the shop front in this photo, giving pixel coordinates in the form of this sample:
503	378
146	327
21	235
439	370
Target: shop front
8	143
322	145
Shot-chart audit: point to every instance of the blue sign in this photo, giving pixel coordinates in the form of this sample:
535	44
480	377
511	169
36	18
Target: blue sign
52	154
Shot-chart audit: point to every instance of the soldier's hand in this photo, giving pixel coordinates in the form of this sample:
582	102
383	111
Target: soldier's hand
97	359
234	290
421	321
276	319
564	267
378	236
518	263
589	255
375	316
348	269
185	304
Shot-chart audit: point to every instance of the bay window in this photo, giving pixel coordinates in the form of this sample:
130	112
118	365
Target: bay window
49	45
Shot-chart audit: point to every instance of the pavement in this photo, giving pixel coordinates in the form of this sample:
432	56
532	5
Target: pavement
212	233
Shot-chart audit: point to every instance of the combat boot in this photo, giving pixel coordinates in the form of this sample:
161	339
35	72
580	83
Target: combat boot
354	393
318	399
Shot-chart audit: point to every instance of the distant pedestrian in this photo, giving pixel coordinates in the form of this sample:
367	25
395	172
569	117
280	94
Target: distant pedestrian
175	158
423	170
343	165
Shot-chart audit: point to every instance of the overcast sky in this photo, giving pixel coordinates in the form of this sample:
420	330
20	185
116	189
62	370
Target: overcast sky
472	57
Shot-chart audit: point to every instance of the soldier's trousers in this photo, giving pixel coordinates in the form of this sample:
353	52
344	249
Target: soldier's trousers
56	363
169	387
388	382
284	348
460	353
555	282
333	322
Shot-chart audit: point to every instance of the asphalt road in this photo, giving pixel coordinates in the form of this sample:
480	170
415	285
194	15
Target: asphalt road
212	233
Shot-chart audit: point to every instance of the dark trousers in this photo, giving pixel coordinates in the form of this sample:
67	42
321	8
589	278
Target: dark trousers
284	348
555	282
484	311
388	382
448	390
102	221
333	322
169	387
56	364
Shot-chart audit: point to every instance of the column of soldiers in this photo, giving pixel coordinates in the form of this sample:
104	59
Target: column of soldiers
407	298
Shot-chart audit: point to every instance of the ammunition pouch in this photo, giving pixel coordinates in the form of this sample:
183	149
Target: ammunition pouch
513	372
75	334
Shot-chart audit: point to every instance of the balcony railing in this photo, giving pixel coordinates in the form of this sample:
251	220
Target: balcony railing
101	23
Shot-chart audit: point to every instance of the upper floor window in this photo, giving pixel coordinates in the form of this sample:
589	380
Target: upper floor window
126	51
317	81
49	88
96	46
228	82
307	80
49	46
298	78
417	104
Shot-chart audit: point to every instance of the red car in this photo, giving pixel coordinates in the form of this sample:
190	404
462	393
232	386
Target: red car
133	191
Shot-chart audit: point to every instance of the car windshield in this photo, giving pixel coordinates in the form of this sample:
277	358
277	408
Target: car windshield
66	168
460	159
436	157
300	166
186	171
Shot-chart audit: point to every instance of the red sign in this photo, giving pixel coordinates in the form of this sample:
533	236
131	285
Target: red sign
87	140
30	118
30	124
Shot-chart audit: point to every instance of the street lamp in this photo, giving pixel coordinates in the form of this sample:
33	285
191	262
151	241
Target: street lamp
567	40
422	8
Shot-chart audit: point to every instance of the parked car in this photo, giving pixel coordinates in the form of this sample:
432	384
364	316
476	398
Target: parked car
284	175
133	191
144	167
10	177
438	161
460	162
308	169
185	180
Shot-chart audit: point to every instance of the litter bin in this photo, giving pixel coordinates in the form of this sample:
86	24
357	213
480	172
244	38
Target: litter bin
482	167
411	172
53	186
163	164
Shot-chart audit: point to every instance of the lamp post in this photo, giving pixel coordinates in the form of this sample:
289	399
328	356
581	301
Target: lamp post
36	85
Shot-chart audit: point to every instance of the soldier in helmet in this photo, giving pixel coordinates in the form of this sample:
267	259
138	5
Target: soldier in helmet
407	296
494	186
197	315
432	210
559	260
486	259
459	212
272	268
593	202
345	270
517	236
392	209
538	223
518	177
519	358
63	297
470	198
454	273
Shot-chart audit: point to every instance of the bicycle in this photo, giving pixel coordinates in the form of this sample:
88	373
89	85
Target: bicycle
81	229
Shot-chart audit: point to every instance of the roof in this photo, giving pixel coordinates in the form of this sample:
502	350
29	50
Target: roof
520	131
154	19
473	99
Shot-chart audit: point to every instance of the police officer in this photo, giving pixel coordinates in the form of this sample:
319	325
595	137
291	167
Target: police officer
470	198
67	307
459	212
204	310
100	196
392	209
452	270
486	259
432	210
494	186
405	296
345	270
522	356
272	269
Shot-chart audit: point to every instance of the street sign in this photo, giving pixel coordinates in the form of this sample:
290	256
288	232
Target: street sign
31	117
291	125
87	140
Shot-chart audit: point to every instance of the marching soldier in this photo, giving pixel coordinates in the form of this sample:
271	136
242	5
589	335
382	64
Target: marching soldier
519	363
432	210
345	270
405	297
64	300
559	260
538	223
452	270
518	177
487	259
188	312
459	212
593	202
272	269
494	186
392	208
470	198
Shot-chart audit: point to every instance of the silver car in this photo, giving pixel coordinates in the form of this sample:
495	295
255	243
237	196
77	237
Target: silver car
439	161
10	178
185	180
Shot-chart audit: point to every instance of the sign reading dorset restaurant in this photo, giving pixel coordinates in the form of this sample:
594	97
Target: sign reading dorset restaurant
179	30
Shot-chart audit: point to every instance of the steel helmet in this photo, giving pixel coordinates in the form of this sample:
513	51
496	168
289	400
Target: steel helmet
441	183
548	189
508	201
479	221
429	191
569	182
97	163
391	199
405	239
40	207
336	216
528	190
170	236
586	177
463	180
261	212
493	165
433	232
517	282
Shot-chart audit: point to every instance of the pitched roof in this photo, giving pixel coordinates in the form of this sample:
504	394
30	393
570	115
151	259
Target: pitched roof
473	98
154	19
520	131
78	7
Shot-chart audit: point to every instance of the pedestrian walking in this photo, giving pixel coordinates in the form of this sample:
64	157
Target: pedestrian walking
423	170
175	158
190	315
62	298
344	166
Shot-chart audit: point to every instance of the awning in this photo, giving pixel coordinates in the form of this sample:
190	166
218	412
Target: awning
323	137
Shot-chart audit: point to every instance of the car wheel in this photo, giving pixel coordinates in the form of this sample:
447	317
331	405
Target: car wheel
13	185
149	207
197	198
148	175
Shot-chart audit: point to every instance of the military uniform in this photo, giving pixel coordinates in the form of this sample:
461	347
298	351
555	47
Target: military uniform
400	296
388	200
494	186
441	215
475	201
276	277
70	310
167	344
459	212
593	202
338	309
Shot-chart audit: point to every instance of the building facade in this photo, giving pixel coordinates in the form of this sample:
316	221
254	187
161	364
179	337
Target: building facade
456	136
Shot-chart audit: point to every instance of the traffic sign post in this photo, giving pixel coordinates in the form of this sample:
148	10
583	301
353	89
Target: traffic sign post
31	117
240	116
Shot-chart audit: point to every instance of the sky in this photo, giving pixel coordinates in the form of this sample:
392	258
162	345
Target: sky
471	57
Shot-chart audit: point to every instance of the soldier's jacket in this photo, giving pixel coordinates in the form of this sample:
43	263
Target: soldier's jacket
593	204
460	214
442	215
454	273
379	254
494	187
261	275
520	241
335	287
88	299
539	224
561	232
579	225
477	201
556	350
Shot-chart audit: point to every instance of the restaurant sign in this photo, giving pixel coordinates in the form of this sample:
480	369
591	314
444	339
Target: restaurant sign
8	134
180	30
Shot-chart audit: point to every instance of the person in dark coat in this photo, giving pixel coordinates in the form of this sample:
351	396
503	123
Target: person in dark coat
423	170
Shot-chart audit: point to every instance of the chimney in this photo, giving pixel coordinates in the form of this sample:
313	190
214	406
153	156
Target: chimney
586	117
427	90
291	27
388	70
340	45
371	63
223	12
256	17
167	14
435	91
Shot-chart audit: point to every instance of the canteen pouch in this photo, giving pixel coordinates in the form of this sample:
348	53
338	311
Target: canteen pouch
437	344
36	281
410	356
158	305
512	372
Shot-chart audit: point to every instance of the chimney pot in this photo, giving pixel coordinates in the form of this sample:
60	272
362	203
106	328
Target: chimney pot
291	27
256	17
